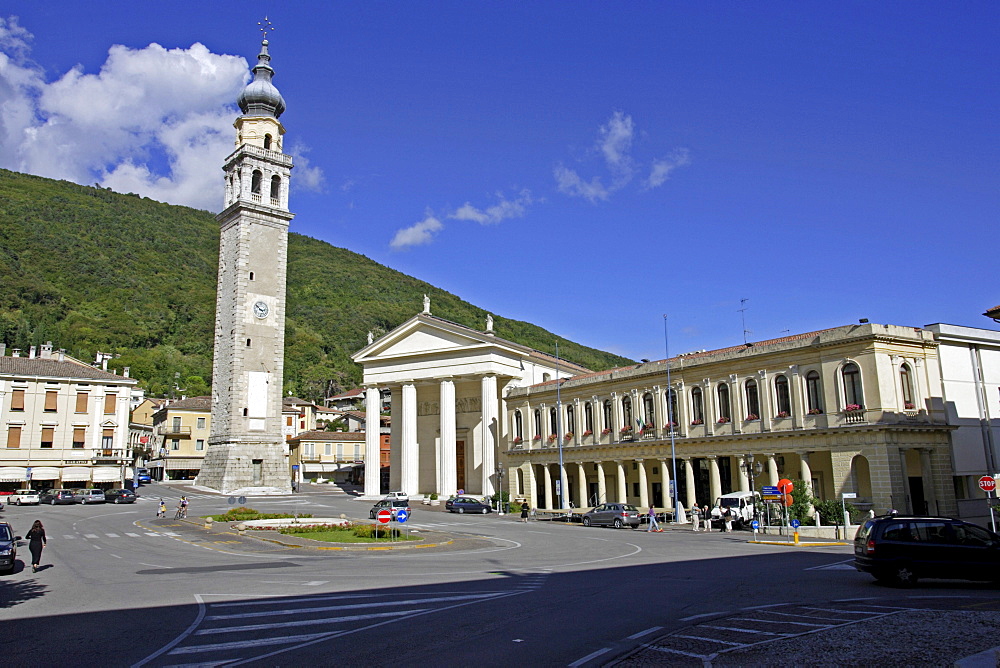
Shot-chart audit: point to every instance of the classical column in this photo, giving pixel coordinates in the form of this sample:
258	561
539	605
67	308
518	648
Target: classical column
643	484
490	429
408	451
737	405
659	410
622	490
602	484
927	479
373	450
689	483
714	481
708	405
796	396
772	470
666	499
581	481
532	487
447	463
764	399
564	487
547	479
682	409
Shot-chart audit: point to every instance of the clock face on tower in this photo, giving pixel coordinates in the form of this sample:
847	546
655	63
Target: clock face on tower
260	310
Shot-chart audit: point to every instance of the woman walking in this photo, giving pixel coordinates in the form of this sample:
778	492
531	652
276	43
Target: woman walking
525	509
36	541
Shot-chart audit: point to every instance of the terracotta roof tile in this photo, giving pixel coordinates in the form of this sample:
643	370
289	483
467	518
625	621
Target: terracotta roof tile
53	368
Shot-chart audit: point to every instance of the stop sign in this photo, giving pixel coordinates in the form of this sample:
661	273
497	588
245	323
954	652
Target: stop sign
987	483
384	516
785	486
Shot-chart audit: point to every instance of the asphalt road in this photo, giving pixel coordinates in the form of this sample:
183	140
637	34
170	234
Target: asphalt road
121	587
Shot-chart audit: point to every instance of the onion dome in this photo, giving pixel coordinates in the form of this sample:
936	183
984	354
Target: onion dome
260	97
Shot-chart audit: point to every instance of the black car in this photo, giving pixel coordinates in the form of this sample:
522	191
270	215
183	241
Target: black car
466	504
57	496
900	549
8	547
119	496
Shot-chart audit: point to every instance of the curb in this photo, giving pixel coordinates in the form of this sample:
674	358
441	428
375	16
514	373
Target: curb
348	548
790	544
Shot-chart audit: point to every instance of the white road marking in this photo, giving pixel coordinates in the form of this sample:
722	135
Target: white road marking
132	535
715	640
68	537
589	657
677	651
112	535
636	636
706	614
90	535
306	622
352	606
115	556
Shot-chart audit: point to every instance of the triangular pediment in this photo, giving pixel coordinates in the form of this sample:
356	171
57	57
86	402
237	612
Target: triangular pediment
420	336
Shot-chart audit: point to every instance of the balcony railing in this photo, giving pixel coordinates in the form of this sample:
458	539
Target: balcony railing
167	430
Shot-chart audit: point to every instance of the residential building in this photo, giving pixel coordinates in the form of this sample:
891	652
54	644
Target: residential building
66	422
180	437
332	456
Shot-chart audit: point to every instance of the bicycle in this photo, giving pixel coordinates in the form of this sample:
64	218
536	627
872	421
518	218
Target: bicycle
181	514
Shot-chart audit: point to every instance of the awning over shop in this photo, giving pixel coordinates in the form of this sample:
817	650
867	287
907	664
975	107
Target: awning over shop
12	474
44	473
76	474
180	464
107	474
325	467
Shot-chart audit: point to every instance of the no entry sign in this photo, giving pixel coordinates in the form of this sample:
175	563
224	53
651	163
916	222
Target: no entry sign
987	483
384	516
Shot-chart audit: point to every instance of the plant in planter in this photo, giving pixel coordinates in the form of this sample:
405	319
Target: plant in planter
551	438
722	420
536	437
782	414
627	429
815	411
568	435
589	432
751	417
605	431
695	423
852	407
518	440
909	405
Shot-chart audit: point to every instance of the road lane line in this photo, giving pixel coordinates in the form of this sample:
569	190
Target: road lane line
589	657
90	535
352	606
706	614
715	640
132	535
305	622
636	636
170	645
112	535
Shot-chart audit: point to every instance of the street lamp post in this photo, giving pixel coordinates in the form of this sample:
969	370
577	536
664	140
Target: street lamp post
753	470
499	489
670	422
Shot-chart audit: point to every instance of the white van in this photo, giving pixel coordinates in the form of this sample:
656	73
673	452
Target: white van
740	504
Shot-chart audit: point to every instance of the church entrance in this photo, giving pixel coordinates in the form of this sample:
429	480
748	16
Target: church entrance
460	464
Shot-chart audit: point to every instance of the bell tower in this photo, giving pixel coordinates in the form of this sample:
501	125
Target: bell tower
246	449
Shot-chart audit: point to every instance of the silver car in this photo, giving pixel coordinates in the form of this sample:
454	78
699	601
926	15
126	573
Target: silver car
23	497
89	495
616	515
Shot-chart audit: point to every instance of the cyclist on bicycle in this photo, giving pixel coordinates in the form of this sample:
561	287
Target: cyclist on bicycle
182	508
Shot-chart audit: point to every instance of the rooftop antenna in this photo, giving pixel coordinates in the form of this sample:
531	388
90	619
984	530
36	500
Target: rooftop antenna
743	318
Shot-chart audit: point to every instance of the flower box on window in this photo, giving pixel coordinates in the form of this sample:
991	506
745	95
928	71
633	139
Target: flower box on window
568	435
588	433
551	438
853	407
536	437
815	411
695	423
909	405
518	440
723	420
605	431
751	417
627	429
782	414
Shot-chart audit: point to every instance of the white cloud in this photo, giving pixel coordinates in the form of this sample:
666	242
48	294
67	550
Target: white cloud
660	171
417	234
305	176
505	208
154	121
615	141
570	183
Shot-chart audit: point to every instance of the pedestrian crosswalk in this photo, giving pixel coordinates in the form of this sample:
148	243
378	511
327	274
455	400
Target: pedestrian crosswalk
256	628
126	534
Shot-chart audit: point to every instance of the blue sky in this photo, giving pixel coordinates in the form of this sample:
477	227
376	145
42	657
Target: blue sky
585	166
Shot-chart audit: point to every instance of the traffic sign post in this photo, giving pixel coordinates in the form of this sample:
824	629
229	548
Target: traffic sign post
756	525
383	517
989	485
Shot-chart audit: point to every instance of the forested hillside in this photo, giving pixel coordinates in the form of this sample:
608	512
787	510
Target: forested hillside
90	269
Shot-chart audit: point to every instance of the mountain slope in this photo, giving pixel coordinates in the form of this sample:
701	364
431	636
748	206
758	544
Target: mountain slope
90	269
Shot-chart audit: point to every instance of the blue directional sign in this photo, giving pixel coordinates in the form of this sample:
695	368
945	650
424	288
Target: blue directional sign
402	515
755	524
770	490
796	524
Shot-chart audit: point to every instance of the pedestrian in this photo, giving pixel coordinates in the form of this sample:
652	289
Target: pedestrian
525	511
161	510
653	524
36	541
696	517
727	518
707	516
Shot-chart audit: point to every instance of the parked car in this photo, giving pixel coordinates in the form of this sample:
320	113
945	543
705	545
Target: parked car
88	496
8	547
617	515
466	504
24	497
54	496
142	475
740	505
119	496
397	495
900	549
393	505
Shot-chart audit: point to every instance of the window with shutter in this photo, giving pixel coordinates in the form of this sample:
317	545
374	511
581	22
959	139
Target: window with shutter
47	436
17	400
13	437
81	402
51	399
110	401
79	436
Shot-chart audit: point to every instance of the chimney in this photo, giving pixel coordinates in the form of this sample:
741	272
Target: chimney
104	363
46	350
16	352
62	354
125	372
3	349
31	352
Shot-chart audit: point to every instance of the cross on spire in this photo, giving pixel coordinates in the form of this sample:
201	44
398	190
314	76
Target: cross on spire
265	26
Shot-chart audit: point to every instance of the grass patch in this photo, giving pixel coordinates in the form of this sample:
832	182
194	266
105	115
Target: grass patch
243	514
347	533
